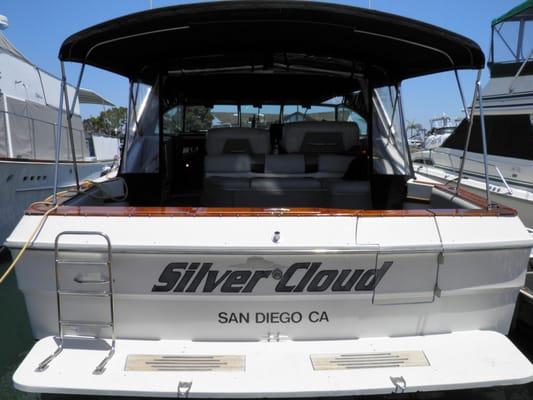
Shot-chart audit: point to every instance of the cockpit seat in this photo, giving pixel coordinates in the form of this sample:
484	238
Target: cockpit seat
310	172
237	141
320	137
234	156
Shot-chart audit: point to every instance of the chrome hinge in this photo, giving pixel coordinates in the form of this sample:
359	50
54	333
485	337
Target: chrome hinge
183	389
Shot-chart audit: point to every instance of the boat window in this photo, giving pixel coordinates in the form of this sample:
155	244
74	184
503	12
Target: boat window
512	45
296	113
173	121
259	117
347	114
389	145
143	152
512	40
507	136
201	118
222	116
33	128
198	118
137	105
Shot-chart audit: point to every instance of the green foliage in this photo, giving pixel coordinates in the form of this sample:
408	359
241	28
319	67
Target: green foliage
172	121
198	118
109	122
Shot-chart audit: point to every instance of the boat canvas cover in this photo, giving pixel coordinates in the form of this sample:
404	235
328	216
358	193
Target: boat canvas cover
524	10
8	46
331	38
33	132
87	96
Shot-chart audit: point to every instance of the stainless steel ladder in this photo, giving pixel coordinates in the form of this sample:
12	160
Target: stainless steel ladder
107	291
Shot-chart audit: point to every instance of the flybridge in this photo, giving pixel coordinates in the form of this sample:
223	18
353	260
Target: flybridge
184	277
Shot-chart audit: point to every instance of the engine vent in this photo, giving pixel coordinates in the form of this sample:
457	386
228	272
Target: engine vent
158	362
394	359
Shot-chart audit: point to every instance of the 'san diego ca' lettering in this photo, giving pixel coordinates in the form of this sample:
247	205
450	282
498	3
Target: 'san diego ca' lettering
185	277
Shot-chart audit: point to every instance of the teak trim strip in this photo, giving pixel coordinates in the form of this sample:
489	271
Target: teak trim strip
127	211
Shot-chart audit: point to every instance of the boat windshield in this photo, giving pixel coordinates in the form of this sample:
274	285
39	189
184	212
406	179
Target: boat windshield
266	155
512	36
199	118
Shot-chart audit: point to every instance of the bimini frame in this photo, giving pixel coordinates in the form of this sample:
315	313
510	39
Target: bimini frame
63	93
470	117
103	45
132	120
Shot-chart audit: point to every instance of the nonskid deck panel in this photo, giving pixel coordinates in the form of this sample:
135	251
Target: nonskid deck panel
185	363
471	359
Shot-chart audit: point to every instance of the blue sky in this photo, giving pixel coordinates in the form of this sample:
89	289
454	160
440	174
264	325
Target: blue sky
37	29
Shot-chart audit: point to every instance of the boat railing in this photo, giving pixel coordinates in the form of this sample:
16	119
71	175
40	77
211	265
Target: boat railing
509	190
31	133
490	165
528	58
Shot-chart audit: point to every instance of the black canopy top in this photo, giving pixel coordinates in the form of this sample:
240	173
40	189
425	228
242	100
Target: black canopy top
296	38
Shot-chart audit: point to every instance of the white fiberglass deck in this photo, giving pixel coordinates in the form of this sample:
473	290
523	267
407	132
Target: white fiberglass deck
470	359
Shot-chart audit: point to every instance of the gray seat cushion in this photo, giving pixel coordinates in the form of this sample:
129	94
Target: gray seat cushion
237	140
285	184
228	164
319	137
285	164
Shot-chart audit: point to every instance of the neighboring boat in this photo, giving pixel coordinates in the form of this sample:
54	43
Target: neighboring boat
269	258
29	100
508	105
440	129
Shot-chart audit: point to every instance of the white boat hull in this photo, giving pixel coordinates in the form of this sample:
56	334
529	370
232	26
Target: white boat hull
302	315
215	285
24	182
518	175
429	281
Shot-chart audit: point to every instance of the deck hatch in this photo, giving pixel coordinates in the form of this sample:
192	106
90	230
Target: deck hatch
162	362
393	359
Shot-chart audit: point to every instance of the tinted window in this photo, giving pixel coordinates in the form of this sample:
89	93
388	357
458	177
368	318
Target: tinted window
507	136
259	117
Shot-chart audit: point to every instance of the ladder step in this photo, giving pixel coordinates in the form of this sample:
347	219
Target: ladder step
83	279
84	323
85	293
91	281
78	262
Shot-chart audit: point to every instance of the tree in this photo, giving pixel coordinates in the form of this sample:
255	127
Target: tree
198	118
109	122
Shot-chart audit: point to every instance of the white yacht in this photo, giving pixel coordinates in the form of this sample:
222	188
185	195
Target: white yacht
508	106
29	99
440	129
269	257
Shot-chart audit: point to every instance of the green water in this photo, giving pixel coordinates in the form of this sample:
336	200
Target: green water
15	335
